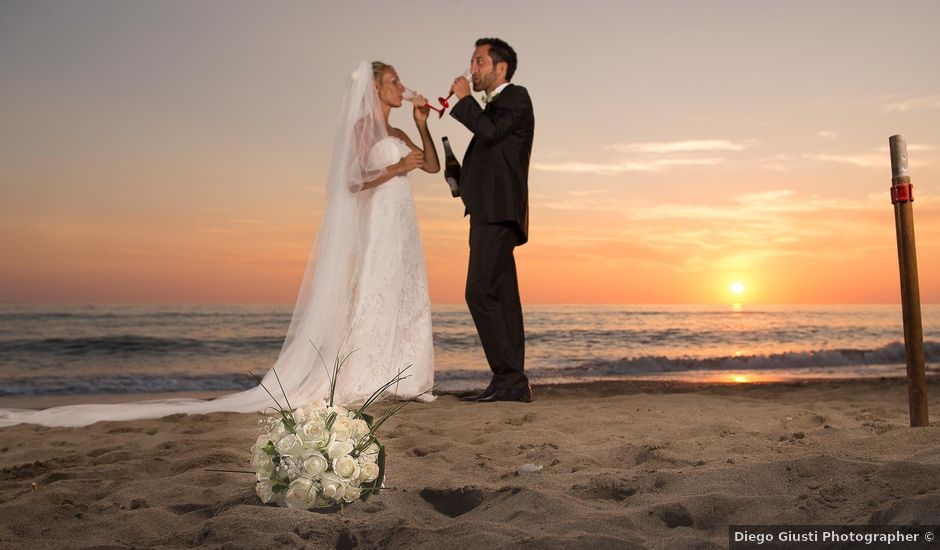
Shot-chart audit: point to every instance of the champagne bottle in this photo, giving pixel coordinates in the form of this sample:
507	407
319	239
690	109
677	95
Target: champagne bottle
451	169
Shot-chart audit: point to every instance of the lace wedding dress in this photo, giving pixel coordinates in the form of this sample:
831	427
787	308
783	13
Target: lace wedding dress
364	290
391	321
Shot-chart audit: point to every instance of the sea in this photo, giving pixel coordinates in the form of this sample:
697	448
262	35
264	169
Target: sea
48	350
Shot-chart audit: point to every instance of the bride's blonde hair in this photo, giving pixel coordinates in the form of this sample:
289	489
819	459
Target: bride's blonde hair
378	68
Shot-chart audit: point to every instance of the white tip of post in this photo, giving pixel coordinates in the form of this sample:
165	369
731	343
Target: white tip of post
898	147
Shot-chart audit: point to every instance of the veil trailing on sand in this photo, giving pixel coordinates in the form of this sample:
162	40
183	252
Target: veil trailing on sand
327	294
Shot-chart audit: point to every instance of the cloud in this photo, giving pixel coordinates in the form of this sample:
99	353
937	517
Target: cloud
914	104
251	225
607	169
586	192
826	134
691	146
651	157
911	147
751	230
776	163
865	160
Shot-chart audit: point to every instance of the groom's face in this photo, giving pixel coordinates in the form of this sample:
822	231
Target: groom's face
482	71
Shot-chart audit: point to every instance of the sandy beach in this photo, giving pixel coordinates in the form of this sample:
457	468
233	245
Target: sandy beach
624	465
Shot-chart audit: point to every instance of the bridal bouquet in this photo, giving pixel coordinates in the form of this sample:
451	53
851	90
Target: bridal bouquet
321	456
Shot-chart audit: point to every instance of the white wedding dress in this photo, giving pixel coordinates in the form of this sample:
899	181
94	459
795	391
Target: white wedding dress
364	292
390	327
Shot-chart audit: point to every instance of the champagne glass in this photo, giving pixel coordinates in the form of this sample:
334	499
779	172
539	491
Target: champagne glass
412	96
445	100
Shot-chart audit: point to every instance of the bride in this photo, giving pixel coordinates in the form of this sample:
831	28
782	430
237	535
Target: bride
364	292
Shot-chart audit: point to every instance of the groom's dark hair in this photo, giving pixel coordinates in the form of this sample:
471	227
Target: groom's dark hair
501	52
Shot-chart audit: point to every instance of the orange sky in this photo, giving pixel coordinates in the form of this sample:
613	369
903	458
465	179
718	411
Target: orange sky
175	152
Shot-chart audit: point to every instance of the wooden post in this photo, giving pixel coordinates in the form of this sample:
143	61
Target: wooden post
901	197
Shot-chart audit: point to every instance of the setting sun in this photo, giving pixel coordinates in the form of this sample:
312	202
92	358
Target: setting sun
737	288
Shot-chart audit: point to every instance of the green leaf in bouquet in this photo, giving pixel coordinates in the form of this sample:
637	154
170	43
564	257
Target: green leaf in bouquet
393	410
287	418
330	420
373	487
337	366
367	417
364	443
278	487
269	449
287	414
378	393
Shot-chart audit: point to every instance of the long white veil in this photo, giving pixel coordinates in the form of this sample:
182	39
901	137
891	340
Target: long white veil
326	297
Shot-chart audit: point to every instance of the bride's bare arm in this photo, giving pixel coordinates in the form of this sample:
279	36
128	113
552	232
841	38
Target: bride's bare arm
432	164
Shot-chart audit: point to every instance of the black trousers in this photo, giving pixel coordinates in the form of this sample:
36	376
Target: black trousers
493	298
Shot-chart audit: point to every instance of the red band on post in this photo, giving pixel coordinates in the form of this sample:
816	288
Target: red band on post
902	193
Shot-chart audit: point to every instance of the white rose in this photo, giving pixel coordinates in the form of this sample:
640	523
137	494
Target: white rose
368	472
304	413
277	429
370	454
338	409
352	493
333	486
313	435
315	465
290	445
261	443
311	413
301	494
343	426
338	447
262	464
265	491
346	467
362	428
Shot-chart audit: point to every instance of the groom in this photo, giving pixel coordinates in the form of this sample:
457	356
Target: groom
494	189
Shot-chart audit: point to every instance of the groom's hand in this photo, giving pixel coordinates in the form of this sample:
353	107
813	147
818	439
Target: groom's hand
461	87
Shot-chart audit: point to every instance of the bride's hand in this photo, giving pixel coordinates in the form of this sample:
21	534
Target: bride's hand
415	159
420	111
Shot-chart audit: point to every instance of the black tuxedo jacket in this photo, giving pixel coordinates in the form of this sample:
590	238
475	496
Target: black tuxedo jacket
494	178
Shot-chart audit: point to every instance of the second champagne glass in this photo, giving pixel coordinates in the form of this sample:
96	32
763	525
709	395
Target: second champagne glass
445	101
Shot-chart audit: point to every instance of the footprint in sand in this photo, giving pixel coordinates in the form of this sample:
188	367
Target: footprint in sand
453	502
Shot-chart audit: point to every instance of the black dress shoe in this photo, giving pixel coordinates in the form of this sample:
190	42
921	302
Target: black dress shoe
522	395
483	395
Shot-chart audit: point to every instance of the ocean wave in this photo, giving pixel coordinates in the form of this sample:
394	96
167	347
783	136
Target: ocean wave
130	344
147	317
847	359
116	383
677	338
889	354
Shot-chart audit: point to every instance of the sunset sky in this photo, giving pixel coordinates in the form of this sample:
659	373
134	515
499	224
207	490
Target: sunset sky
176	151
